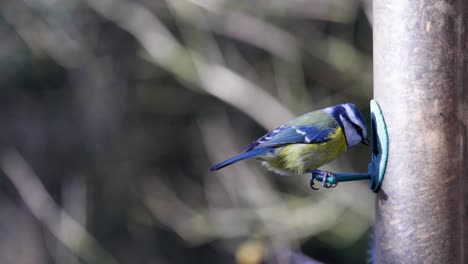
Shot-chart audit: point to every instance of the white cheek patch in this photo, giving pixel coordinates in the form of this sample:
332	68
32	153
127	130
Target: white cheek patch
351	114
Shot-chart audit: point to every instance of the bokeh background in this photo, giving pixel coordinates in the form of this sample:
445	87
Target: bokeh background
112	111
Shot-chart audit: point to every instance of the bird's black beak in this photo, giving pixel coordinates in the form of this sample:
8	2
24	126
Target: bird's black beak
365	141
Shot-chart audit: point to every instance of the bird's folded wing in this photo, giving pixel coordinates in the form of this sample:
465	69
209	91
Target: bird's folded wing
285	135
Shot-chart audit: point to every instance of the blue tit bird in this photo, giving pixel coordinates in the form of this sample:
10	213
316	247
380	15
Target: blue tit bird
304	144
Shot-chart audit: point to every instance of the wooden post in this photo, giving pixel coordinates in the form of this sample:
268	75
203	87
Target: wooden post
420	81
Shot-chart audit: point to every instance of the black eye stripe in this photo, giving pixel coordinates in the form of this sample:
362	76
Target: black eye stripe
357	127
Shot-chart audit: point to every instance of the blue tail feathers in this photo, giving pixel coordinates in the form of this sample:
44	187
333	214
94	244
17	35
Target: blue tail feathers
246	155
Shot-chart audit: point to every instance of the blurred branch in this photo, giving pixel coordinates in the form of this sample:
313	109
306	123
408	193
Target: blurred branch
328	10
240	26
254	31
287	49
74	236
53	39
165	51
235	90
337	11
257	33
172	212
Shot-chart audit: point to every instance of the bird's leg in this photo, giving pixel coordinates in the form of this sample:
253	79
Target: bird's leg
325	176
311	183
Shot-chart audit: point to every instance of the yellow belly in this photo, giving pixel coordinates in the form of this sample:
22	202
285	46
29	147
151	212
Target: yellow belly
297	158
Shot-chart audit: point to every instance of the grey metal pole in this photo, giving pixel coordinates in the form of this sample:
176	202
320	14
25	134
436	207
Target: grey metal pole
420	82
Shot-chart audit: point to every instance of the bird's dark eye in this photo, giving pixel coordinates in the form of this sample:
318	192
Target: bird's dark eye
358	128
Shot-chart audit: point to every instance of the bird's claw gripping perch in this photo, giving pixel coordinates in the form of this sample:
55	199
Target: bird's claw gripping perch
329	179
311	182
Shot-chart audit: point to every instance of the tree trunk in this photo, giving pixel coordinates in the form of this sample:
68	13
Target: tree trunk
420	83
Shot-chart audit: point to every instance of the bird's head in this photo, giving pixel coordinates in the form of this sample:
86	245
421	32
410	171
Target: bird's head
351	121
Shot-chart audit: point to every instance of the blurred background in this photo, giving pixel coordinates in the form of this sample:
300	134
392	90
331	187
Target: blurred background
112	111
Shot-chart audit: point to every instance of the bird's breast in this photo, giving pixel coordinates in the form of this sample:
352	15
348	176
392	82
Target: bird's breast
297	158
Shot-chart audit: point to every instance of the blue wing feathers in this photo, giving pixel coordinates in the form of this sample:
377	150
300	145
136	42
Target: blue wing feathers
292	134
265	138
245	155
281	136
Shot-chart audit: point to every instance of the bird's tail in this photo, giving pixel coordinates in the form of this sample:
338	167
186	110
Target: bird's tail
246	155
